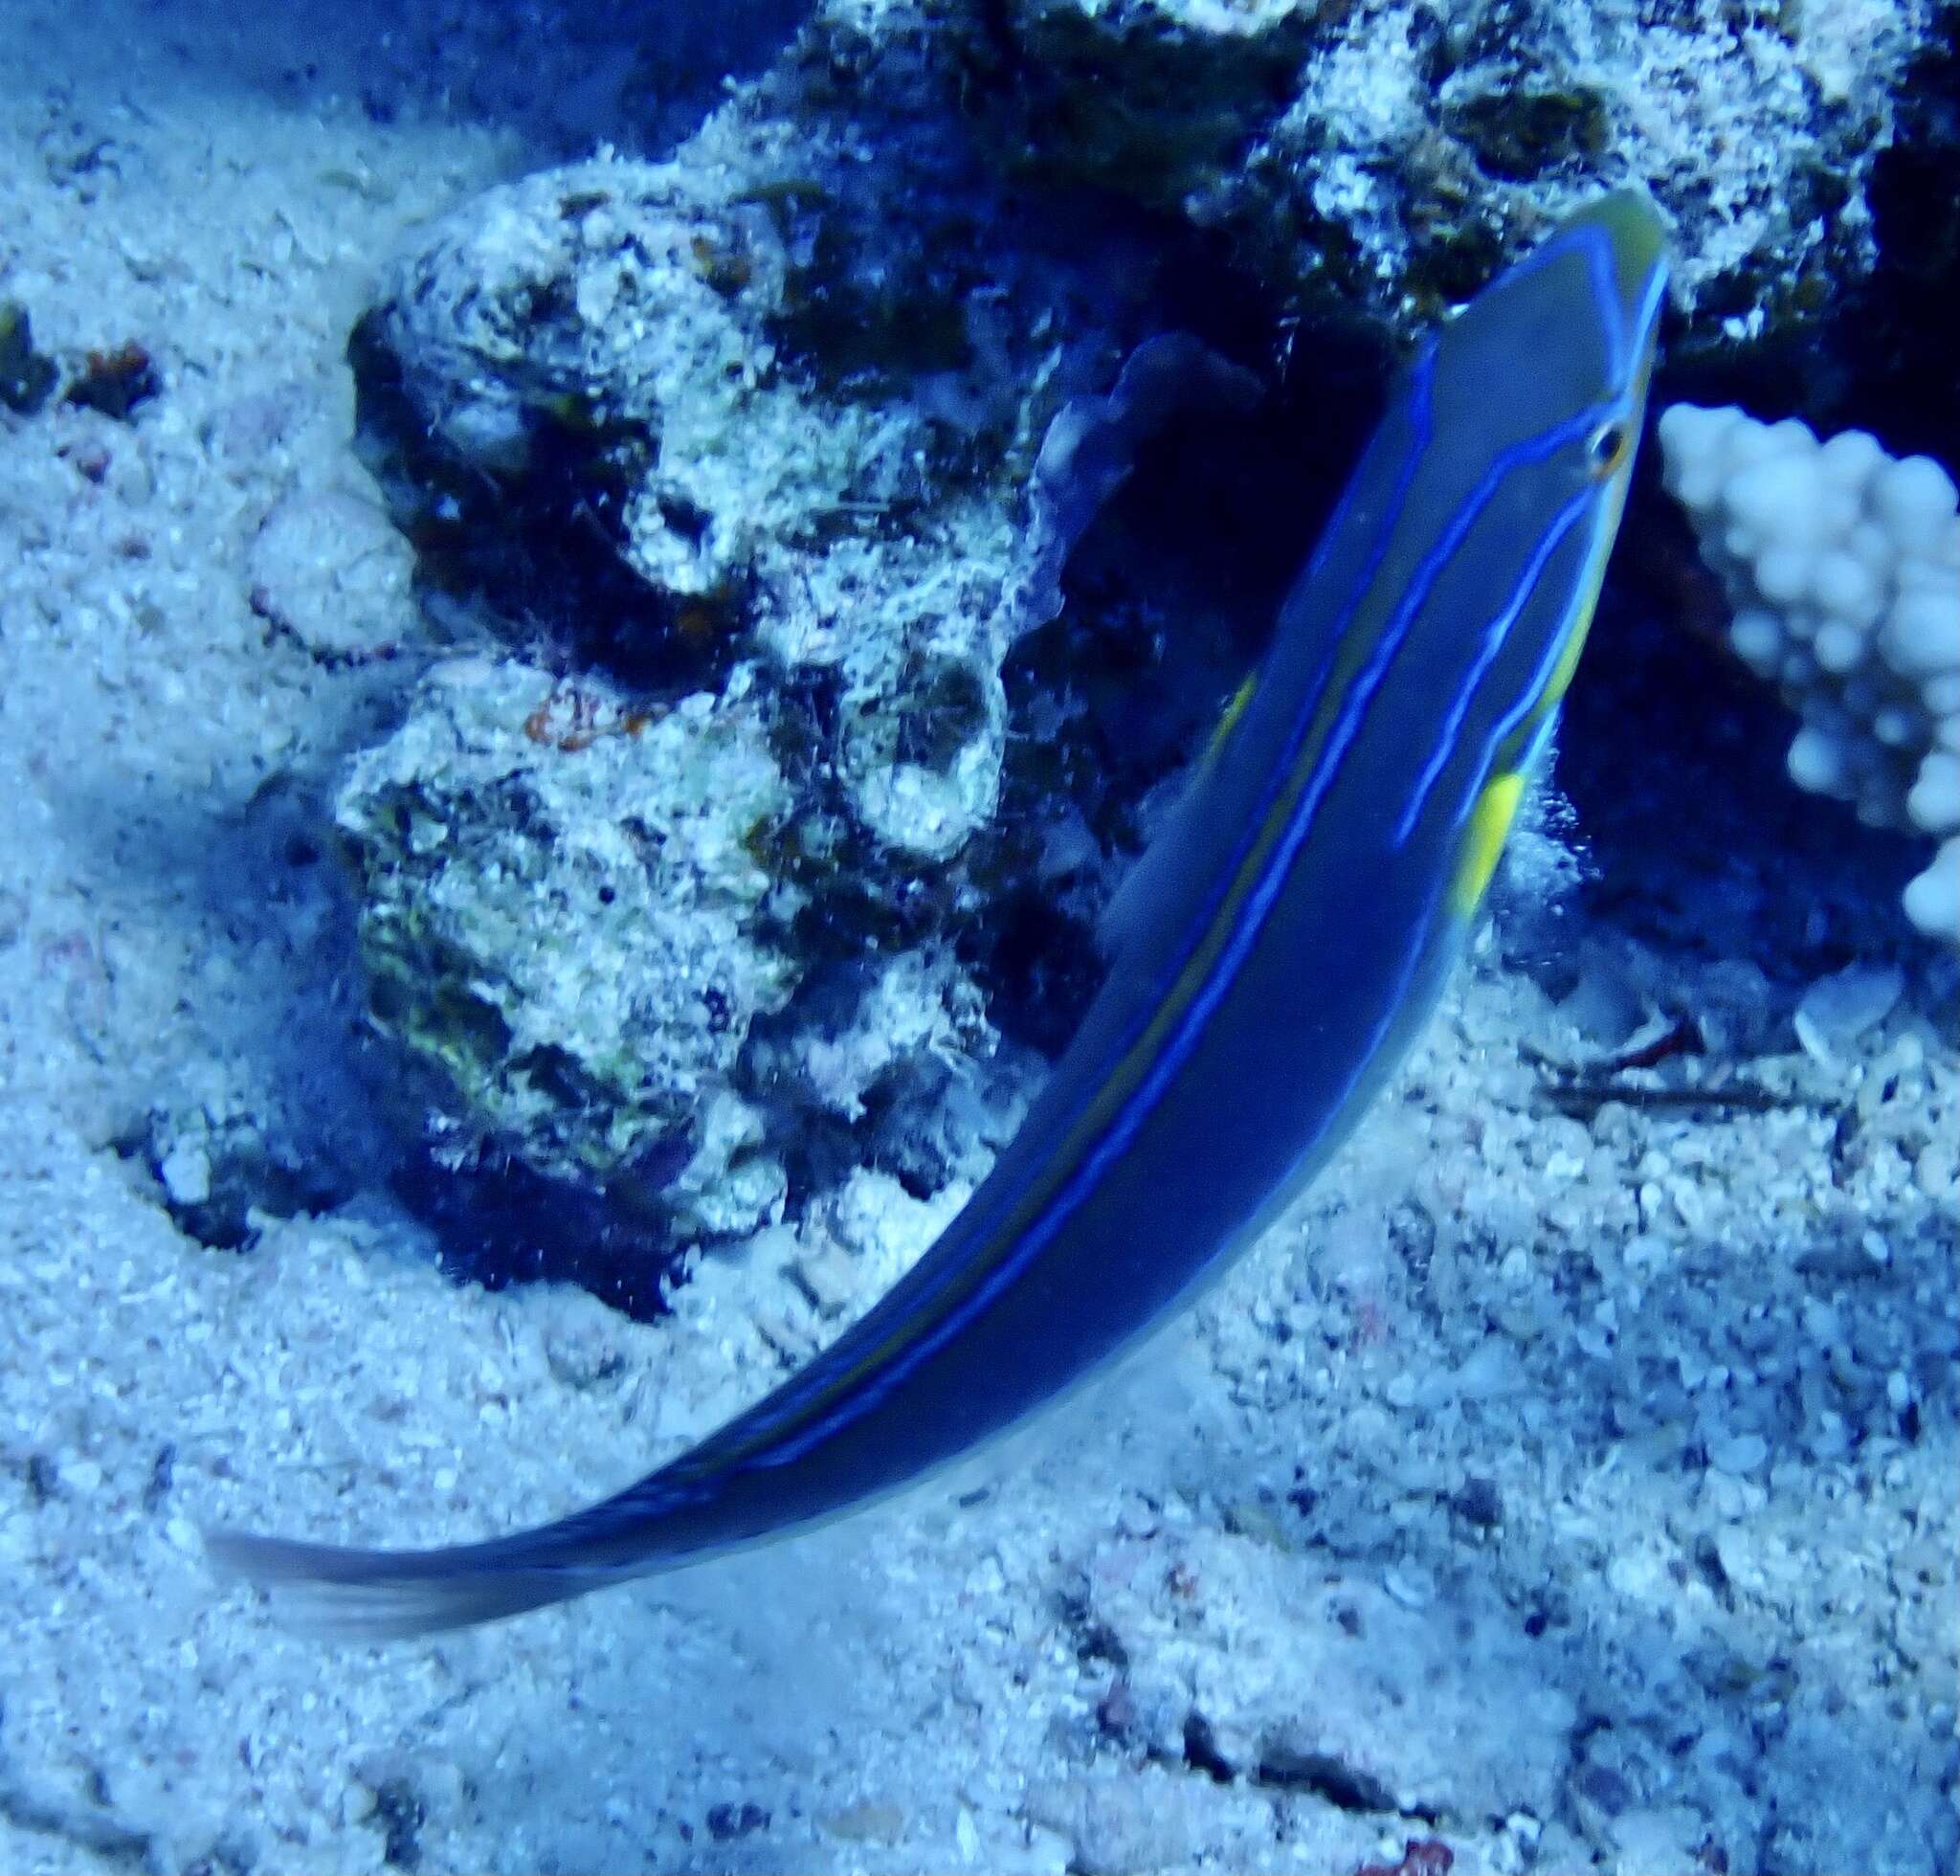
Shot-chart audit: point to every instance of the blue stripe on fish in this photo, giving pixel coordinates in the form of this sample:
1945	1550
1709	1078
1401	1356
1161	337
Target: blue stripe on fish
1492	638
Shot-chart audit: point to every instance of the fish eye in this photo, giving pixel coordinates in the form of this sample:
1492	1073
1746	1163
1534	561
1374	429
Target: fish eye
1609	445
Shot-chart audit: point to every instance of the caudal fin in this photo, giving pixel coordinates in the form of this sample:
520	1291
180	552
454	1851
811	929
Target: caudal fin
381	1595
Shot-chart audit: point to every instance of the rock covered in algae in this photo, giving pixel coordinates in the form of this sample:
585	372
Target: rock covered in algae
626	302
580	918
562	917
1154	98
1390	153
633	316
788	392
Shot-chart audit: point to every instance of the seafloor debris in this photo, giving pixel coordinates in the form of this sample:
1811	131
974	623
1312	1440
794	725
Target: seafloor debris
26	376
1421	1856
116	380
328	567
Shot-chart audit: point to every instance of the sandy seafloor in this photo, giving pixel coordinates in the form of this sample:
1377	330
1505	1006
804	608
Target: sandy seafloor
1581	1494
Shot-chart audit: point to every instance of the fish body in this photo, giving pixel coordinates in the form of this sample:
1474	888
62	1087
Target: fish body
1302	907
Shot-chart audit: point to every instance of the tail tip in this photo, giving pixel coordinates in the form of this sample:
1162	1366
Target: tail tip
332	1593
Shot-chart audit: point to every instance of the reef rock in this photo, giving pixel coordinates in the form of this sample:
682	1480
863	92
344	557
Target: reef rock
1387	154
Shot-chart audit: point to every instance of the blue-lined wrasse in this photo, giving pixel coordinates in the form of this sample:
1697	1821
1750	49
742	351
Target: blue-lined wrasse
1287	935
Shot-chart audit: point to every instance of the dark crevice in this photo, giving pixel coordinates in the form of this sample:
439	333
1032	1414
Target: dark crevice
539	556
1346	1786
1201	1752
499	1223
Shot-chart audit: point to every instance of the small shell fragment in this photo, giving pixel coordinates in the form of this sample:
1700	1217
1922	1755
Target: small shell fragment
1837	1010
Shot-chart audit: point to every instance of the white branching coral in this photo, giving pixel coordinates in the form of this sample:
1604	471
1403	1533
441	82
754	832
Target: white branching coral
1842	567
